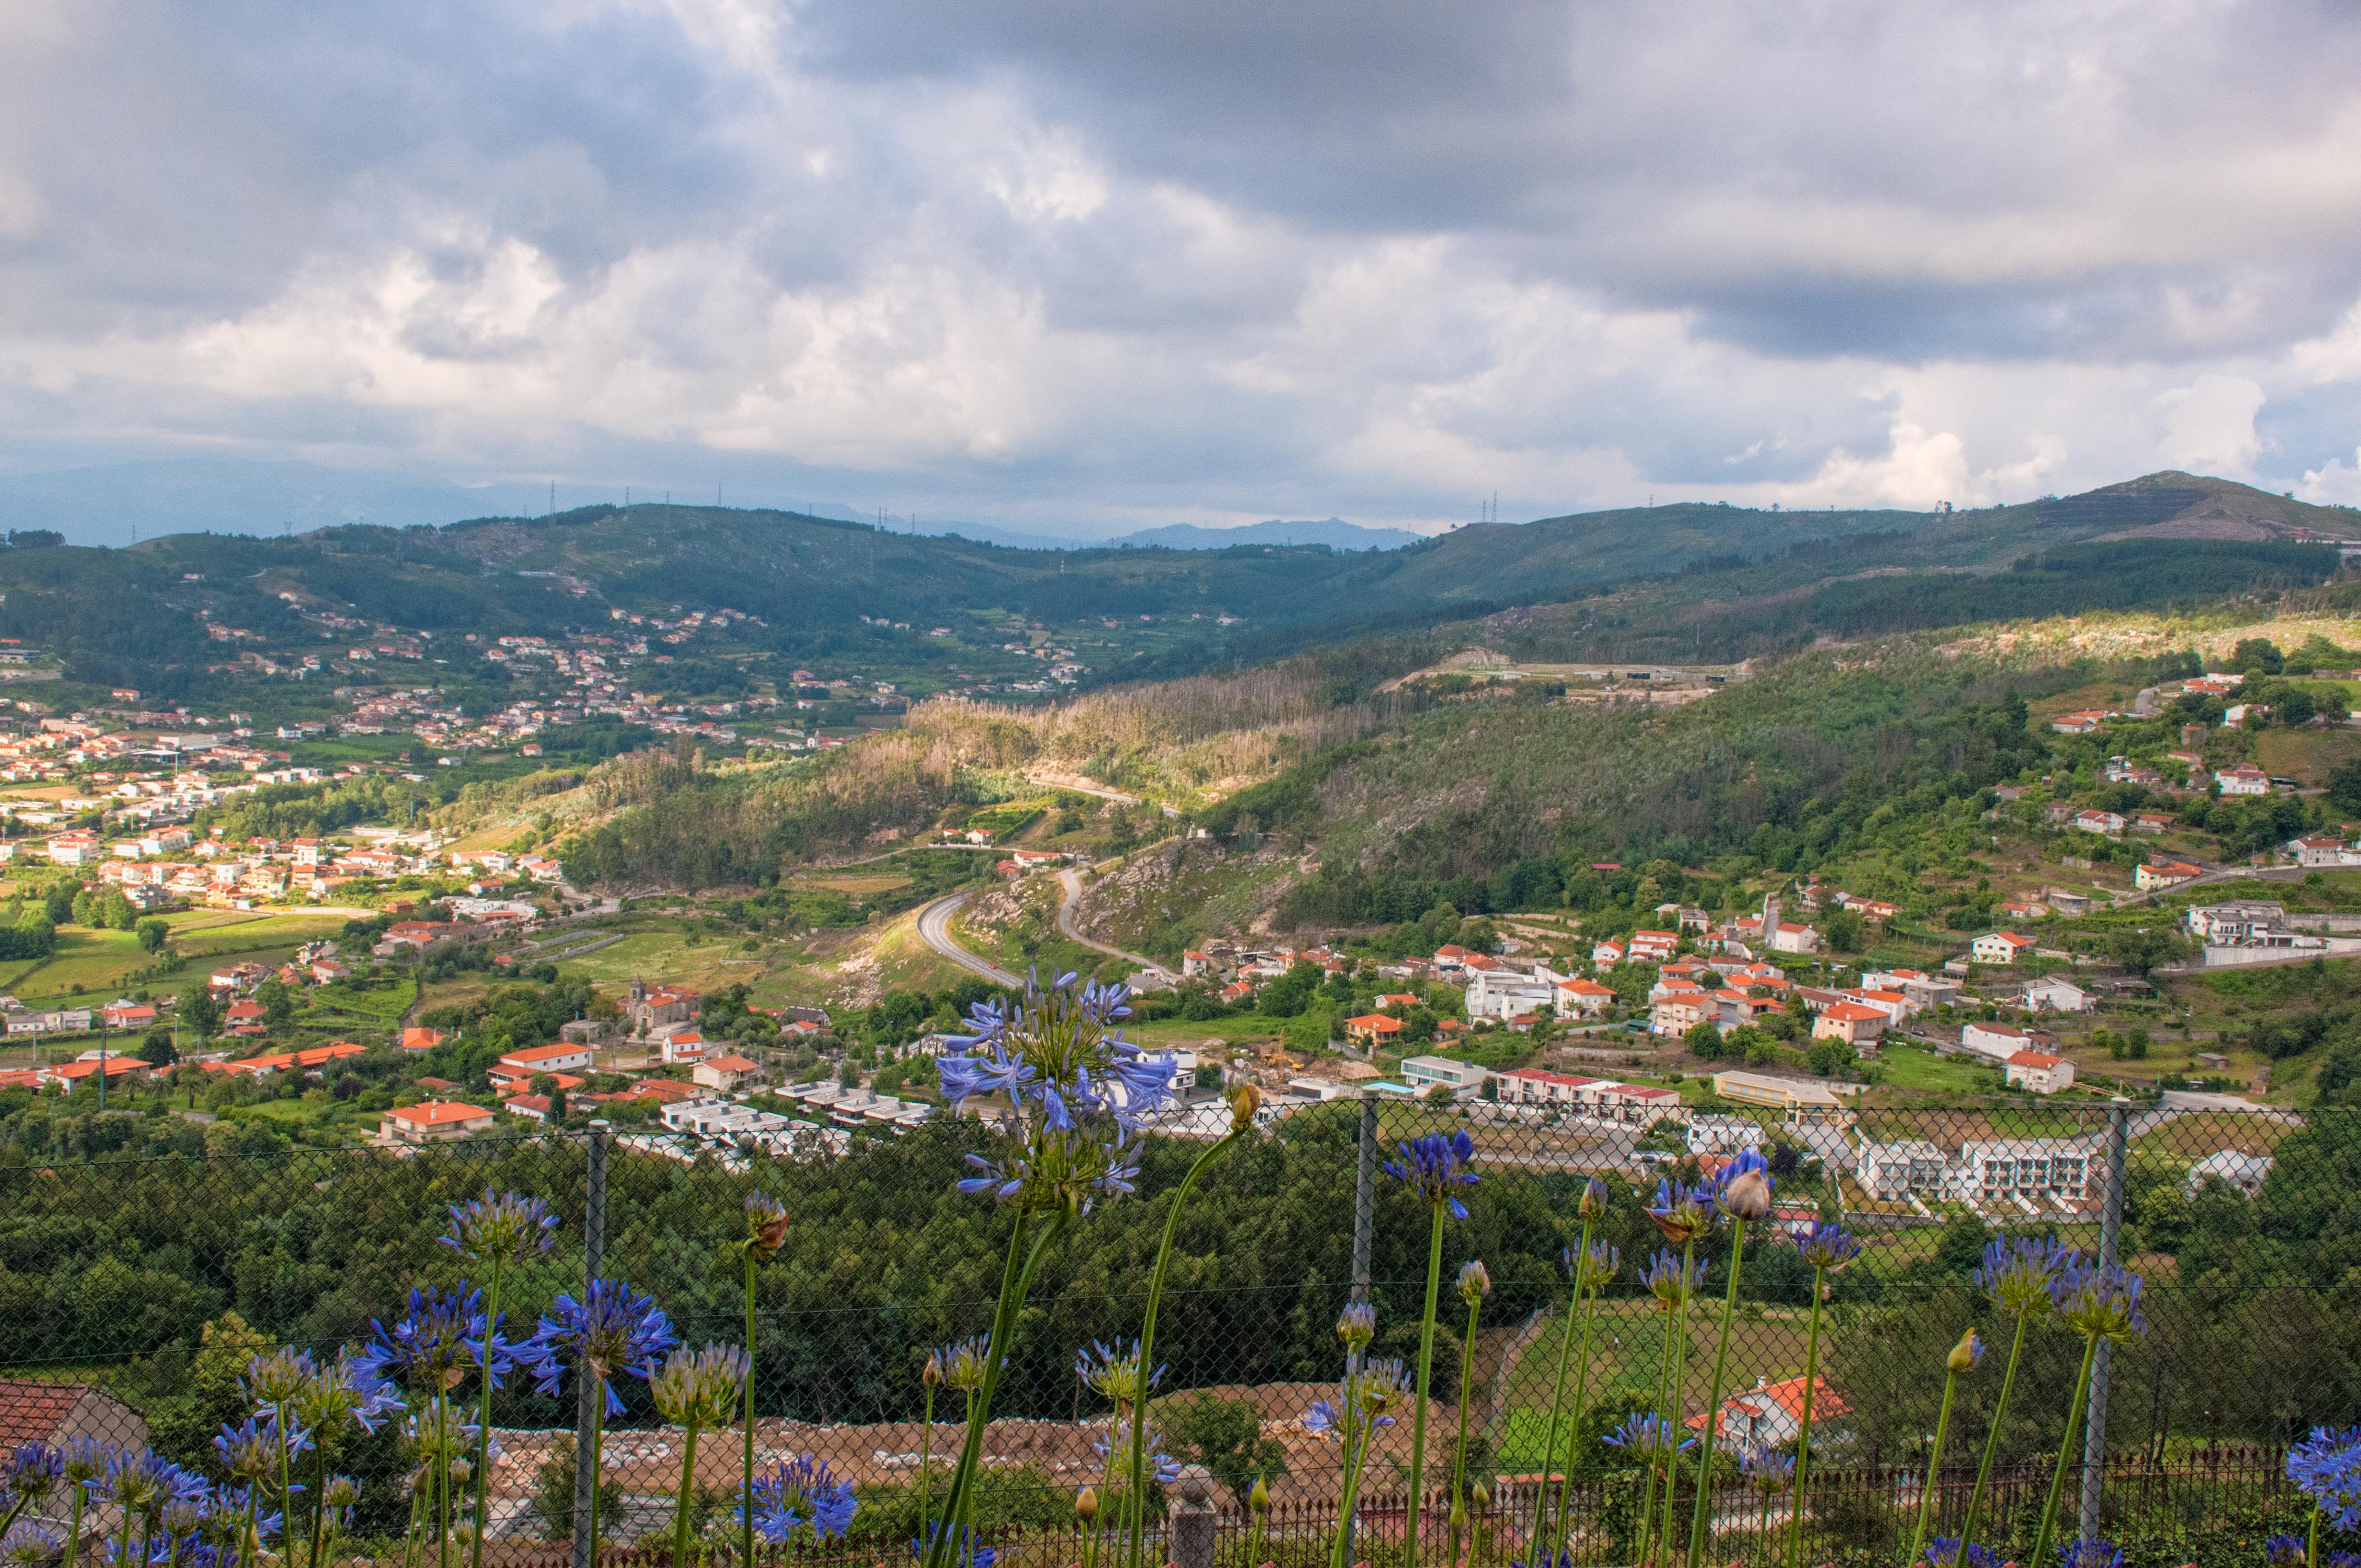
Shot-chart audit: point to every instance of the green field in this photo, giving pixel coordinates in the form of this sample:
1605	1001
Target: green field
1915	1067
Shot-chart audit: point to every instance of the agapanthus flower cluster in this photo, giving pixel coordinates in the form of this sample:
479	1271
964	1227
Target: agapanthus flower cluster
1368	1399
1162	1468
84	1460
1671	1281
802	1492
1436	1167
2017	1276
2327	1465
273	1381
1650	1439
1114	1371
30	1473
2285	1550
1475	1282
250	1450
1943	1551
2098	1301
1828	1247
1595	1268
1684	1214
1545	1558
27	1545
1357	1325
501	1228
434	1344
1766	1470
2091	1555
966	1362
701	1387
344	1390
612	1329
144	1483
1057	1052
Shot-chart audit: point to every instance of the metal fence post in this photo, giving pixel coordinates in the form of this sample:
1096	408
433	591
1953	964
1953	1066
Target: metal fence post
585	1409
2110	1227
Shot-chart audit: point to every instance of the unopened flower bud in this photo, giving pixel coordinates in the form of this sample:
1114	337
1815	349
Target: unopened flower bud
1594	1200
1243	1106
1086	1505
1458	1515
1748	1196
1967	1353
932	1373
1483	1497
1260	1499
1474	1282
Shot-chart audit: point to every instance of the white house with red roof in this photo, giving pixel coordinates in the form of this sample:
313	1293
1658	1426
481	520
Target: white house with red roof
1999	947
1771	1415
435	1121
1607	954
1582	998
1855	1023
2039	1073
1655	946
1539	1087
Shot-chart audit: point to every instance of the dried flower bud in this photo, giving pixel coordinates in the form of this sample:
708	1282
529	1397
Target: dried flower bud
1748	1196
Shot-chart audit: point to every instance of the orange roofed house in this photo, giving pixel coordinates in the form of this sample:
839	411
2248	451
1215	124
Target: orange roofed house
1771	1415
436	1122
32	1410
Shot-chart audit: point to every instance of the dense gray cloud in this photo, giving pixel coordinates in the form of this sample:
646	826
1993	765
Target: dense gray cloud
1052	262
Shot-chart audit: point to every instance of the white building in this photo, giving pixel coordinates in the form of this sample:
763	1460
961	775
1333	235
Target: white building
1723	1134
1999	946
2038	1073
2243	778
2058	996
2238	923
1423	1073
1505	993
2241	1173
1997	1042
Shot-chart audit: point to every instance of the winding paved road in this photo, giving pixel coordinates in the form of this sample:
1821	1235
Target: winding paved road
1073	882
934	930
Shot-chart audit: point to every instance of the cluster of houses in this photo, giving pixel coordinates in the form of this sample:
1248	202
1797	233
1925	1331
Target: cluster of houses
167	866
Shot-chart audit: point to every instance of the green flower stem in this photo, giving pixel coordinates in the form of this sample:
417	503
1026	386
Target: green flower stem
1425	1371
410	1537
597	1460
484	1414
1991	1439
1355	1464
746	1494
1098	1524
1581	1399
1015	1278
1804	1432
443	1476
253	1534
1139	1502
1673	1412
2065	1453
123	1539
925	1461
1459	1462
1934	1467
2312	1540
73	1525
680	1521
1557	1389
1648	1493
318	1509
1713	1398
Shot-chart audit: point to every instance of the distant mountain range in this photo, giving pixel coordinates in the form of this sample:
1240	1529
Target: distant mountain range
118	503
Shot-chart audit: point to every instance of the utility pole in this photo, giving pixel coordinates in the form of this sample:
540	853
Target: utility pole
2110	1227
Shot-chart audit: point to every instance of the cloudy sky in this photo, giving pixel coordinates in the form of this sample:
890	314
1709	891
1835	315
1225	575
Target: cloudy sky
1066	263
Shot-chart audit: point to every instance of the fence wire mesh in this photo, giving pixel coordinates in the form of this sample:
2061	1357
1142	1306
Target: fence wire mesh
134	1292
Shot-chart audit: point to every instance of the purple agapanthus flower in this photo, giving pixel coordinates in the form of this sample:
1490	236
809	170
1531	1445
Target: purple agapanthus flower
2327	1465
1828	1246
1435	1166
613	1329
1058	1054
798	1492
2091	1555
443	1334
1943	1551
2017	1275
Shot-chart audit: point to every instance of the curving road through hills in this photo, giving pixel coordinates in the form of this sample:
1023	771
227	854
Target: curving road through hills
934	930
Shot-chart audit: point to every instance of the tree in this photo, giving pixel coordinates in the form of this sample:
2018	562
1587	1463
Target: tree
152	932
1829	1056
1225	1437
1844	931
157	1050
2142	949
1703	1041
277	1005
2258	653
200	1011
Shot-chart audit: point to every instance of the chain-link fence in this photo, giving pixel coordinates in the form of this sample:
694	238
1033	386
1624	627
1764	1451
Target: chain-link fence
133	1293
